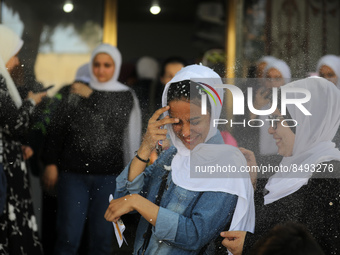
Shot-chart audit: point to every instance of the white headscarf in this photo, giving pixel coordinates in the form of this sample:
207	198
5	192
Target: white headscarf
147	68
267	143
212	154
83	73
132	135
266	59
313	139
10	44
281	66
333	62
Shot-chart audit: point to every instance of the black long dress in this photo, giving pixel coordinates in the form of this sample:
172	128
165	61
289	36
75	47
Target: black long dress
18	227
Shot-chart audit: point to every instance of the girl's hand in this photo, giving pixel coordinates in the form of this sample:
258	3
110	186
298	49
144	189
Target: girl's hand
249	155
251	163
81	89
119	207
27	151
155	131
36	97
50	177
153	134
233	241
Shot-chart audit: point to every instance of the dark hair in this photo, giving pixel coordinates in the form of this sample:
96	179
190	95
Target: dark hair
171	60
186	90
286	239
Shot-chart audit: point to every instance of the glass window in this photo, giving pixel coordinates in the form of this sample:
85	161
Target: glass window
56	43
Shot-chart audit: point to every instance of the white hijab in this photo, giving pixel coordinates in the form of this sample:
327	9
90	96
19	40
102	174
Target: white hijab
333	62
132	135
313	139
147	68
83	73
212	154
10	44
267	143
281	66
265	59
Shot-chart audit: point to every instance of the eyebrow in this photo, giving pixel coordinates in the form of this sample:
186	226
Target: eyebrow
195	118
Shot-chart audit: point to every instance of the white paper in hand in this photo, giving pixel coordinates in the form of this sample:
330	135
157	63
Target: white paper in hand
119	228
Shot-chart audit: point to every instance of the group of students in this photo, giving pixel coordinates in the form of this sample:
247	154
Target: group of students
307	150
96	131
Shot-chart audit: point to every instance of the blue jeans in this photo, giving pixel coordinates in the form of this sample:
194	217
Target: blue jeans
84	197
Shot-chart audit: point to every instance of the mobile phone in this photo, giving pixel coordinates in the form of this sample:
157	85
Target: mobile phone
47	88
159	144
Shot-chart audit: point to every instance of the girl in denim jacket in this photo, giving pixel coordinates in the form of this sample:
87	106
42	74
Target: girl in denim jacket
191	211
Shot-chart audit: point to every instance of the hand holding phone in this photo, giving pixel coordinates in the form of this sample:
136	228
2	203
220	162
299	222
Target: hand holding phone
159	144
47	88
36	97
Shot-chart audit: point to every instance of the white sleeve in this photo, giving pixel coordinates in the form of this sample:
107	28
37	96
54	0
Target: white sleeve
132	134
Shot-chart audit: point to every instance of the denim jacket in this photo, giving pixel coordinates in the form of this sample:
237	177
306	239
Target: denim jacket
186	220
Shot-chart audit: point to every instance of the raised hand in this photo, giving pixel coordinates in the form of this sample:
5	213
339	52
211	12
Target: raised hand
81	89
153	134
251	163
155	131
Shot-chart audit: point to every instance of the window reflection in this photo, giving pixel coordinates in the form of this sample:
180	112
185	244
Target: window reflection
56	43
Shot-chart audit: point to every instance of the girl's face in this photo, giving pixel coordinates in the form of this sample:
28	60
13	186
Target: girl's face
193	127
12	63
103	67
274	78
169	72
283	136
328	73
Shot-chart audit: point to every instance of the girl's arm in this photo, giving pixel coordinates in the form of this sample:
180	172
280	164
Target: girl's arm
128	203
17	120
153	134
206	221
